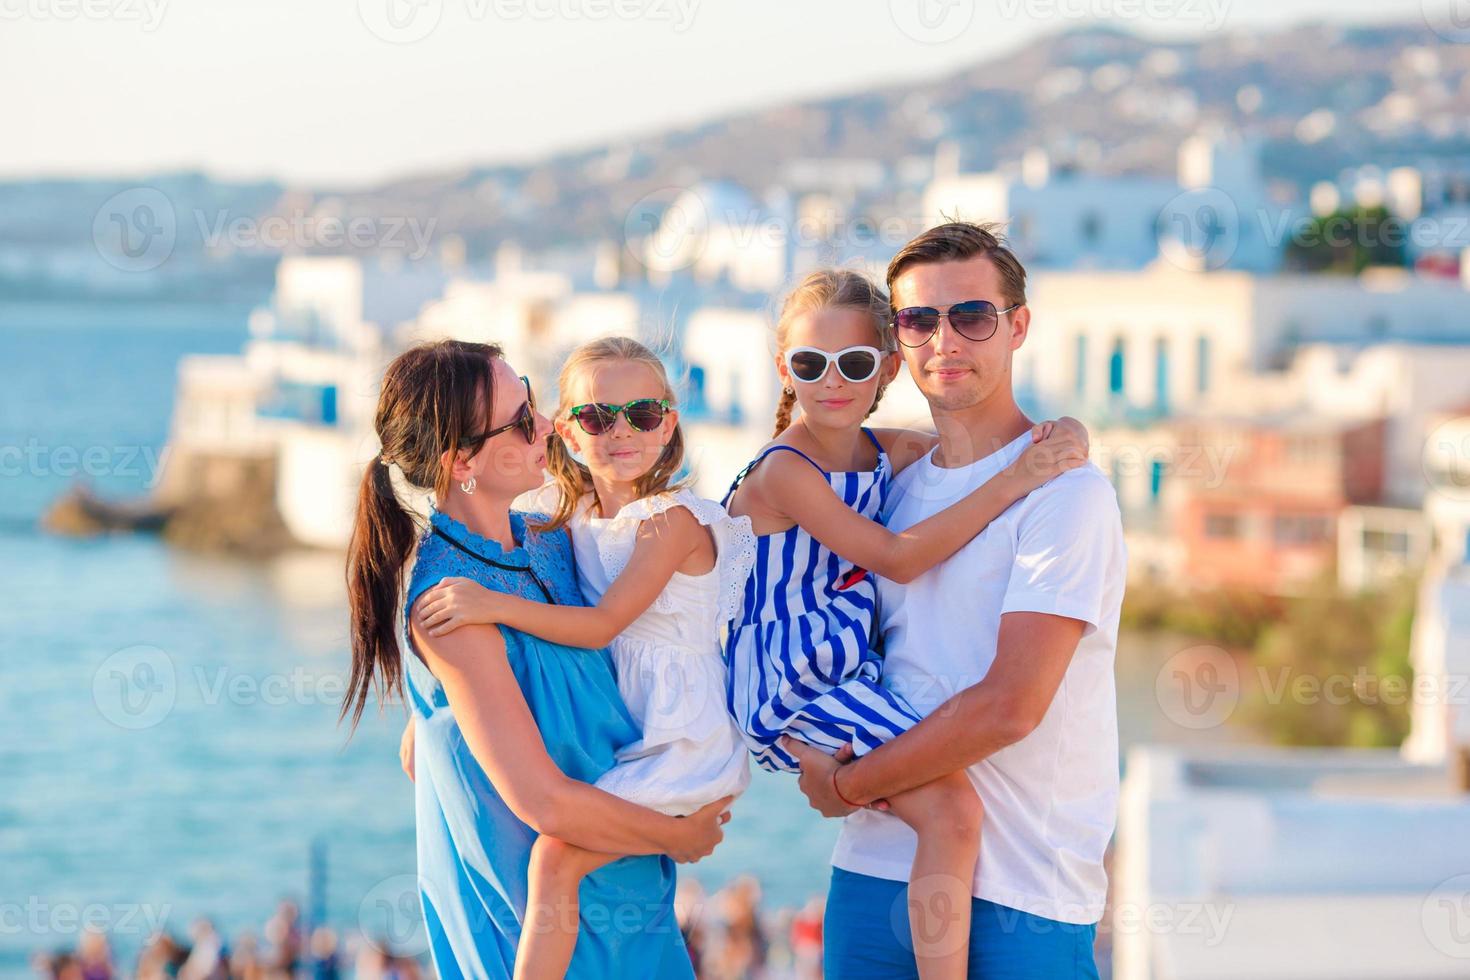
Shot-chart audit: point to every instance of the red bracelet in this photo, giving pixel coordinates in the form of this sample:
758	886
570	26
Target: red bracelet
856	806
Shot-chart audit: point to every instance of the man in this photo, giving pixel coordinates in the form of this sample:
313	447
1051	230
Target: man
1006	650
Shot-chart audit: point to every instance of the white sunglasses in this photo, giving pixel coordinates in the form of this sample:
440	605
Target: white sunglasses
856	364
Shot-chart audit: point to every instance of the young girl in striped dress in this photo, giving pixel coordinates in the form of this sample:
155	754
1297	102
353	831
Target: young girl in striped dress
662	570
800	655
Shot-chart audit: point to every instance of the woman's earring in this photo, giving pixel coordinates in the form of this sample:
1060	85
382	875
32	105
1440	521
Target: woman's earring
788	391
468	486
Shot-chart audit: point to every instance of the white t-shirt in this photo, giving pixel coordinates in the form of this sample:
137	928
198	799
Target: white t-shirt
1050	799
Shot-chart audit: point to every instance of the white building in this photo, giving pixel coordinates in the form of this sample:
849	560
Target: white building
515	314
1291	864
1163	340
1216	213
718	233
305	388
1059	218
1127	351
1380	545
1440	648
731	392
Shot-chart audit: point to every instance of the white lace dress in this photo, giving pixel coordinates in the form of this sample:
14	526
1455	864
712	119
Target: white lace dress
671	671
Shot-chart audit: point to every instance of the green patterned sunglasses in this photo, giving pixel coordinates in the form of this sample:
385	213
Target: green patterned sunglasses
643	414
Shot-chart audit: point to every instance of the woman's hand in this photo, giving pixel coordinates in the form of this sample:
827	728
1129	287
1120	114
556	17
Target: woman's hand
405	749
457	602
1056	447
697	834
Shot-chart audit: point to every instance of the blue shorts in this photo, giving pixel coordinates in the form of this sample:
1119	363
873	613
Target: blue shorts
866	934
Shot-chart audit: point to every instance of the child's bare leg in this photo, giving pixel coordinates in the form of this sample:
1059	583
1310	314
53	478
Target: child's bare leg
946	814
549	933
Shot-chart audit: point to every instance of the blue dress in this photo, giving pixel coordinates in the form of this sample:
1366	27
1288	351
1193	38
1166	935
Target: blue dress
800	653
473	852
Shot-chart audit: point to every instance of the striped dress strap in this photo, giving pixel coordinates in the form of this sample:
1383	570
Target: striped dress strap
740	477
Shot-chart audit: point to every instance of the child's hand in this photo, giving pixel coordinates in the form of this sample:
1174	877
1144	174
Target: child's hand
1067	426
1056	447
457	602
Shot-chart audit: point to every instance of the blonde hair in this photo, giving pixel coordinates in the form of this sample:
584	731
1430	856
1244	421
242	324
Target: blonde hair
833	289
572	478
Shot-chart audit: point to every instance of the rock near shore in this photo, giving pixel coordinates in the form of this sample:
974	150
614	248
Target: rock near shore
205	501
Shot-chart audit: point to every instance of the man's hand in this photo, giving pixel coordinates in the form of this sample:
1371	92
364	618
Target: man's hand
817	779
817	769
405	749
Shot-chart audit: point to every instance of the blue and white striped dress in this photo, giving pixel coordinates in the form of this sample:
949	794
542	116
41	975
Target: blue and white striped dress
800	653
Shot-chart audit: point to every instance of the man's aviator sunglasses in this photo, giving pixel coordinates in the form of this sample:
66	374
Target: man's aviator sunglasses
973	319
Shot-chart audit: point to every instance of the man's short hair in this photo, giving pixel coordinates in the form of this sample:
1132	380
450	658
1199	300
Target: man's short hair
956	241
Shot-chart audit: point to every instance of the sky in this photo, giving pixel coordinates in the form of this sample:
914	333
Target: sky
351	92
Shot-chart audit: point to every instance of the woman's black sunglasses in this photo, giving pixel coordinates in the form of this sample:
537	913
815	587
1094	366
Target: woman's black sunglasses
973	319
643	414
525	419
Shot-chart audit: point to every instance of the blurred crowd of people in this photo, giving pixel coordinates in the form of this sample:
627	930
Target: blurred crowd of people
728	934
284	950
731	938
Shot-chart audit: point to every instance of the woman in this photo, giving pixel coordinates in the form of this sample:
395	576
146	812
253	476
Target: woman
510	730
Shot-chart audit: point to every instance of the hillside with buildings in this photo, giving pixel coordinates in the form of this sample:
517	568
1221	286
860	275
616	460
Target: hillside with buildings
1318	99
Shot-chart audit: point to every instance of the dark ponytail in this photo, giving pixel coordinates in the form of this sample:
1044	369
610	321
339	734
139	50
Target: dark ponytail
435	399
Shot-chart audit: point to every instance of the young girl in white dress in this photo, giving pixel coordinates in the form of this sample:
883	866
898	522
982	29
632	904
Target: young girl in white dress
663	570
